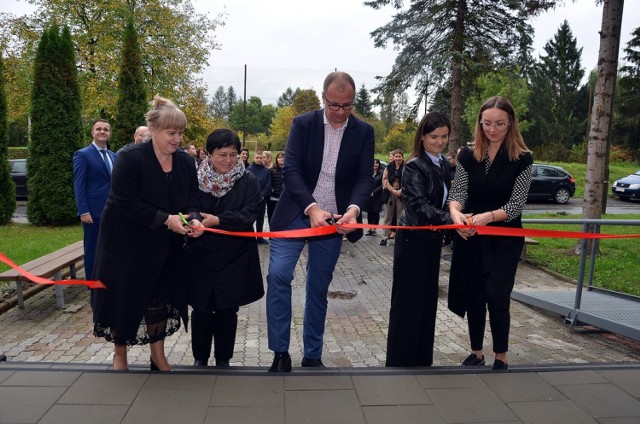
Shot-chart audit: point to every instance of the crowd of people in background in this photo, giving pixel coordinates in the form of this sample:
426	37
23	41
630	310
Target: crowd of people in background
128	200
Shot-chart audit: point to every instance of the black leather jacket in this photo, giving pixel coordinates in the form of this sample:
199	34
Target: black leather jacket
423	192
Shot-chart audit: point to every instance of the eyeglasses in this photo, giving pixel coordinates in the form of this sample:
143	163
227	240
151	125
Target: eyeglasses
335	106
498	125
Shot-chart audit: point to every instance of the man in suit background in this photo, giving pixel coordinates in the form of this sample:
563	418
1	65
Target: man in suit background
91	183
327	176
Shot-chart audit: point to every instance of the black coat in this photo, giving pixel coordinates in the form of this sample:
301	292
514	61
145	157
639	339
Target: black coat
136	257
375	201
479	255
225	270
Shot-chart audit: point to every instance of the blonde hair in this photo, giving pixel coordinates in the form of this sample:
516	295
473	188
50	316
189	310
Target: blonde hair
165	114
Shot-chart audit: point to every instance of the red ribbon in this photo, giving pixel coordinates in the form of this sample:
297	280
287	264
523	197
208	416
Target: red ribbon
481	230
332	229
92	284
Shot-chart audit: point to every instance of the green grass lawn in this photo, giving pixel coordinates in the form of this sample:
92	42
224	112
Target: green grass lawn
24	242
617	266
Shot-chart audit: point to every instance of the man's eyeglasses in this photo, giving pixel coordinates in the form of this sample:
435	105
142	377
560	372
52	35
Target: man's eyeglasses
498	125
336	107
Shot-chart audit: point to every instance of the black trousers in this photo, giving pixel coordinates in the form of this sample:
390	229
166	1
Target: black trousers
262	207
271	206
495	296
373	218
414	298
219	327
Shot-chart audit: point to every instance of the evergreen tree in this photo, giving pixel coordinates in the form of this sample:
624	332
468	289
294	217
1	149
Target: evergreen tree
364	105
7	187
232	100
57	131
559	106
439	41
258	117
628	100
132	96
287	98
218	105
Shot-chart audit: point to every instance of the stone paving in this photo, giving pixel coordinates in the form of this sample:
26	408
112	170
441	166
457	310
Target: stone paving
356	326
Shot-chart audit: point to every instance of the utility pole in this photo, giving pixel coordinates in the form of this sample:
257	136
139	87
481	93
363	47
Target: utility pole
244	109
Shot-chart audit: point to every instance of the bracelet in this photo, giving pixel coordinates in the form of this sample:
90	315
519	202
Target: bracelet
493	218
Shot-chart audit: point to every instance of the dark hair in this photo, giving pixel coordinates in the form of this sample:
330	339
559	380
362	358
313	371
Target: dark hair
221	138
276	165
429	123
100	120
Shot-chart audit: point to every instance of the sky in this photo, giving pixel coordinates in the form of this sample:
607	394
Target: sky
294	43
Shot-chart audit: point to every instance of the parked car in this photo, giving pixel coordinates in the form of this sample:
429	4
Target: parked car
549	182
628	187
19	176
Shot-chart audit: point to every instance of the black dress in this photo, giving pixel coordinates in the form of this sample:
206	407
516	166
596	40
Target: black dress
140	262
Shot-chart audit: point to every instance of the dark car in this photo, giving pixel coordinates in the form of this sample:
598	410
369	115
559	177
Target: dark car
549	182
19	176
627	187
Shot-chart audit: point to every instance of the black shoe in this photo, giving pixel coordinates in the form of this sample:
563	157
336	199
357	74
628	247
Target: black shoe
472	360
281	362
499	365
201	363
383	242
369	233
312	363
222	363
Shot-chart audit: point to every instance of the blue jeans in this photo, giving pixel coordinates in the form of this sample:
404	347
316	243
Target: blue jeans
322	258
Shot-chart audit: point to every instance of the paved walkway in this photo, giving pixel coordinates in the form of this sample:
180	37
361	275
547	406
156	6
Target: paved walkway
56	369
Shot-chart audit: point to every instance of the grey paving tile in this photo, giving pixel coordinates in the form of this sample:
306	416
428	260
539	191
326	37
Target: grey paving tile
245	415
627	380
602	400
168	406
104	389
621	420
41	378
521	387
402	414
248	391
563	411
4	374
180	381
26	404
318	382
448	381
572	377
94	414
323	406
390	390
474	404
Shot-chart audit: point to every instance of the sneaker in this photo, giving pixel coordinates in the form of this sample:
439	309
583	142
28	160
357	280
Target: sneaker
499	365
369	233
281	362
472	360
383	242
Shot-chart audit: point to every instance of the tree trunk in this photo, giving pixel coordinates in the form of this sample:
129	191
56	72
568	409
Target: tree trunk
456	76
601	113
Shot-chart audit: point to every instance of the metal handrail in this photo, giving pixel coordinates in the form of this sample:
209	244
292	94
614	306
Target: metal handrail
589	225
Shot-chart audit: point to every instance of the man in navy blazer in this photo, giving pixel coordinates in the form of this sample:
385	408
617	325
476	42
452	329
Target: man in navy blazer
327	176
91	183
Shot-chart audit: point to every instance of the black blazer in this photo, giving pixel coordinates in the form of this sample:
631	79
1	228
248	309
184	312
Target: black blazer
354	168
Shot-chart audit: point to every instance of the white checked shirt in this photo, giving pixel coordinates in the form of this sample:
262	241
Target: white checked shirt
325	191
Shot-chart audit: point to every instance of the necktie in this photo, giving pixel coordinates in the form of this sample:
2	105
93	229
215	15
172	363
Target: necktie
106	160
442	164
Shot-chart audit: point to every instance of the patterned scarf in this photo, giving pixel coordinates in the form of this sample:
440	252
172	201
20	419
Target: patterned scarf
218	184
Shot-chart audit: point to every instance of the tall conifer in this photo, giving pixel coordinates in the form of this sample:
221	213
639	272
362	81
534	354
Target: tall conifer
132	96
56	131
7	187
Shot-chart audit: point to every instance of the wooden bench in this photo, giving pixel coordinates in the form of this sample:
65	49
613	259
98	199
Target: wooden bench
528	241
48	266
